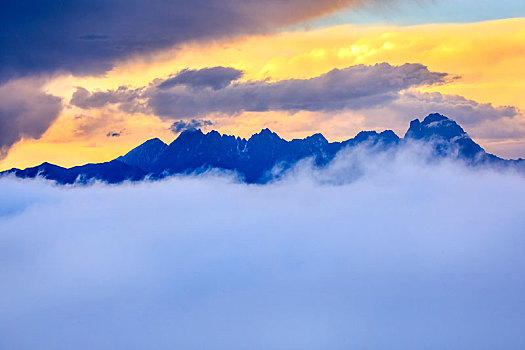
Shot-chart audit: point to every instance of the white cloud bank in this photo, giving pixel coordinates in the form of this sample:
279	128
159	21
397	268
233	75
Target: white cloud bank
408	256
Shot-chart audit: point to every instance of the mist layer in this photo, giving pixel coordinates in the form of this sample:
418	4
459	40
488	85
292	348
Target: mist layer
377	251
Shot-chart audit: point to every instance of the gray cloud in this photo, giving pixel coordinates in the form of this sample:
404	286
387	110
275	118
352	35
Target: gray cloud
466	112
215	77
25	112
350	88
129	100
409	256
88	37
182	125
353	88
482	120
379	93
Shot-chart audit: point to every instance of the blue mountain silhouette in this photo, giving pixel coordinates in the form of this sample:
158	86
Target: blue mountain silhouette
253	159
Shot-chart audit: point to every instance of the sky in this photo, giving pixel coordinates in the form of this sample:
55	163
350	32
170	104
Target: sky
87	81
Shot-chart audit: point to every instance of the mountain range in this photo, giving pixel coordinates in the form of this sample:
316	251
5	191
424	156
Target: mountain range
255	159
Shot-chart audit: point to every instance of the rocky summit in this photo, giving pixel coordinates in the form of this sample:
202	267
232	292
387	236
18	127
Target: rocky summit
254	159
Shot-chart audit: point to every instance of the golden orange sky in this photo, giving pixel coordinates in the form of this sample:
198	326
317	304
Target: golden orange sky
488	57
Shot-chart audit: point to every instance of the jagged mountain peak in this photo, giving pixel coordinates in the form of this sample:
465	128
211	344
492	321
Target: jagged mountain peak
434	125
386	138
147	153
389	134
154	141
256	159
149	144
449	138
265	134
189	133
435	117
214	133
317	138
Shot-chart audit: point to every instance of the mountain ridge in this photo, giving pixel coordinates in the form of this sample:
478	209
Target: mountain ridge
254	158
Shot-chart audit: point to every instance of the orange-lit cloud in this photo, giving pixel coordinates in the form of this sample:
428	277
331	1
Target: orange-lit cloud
486	55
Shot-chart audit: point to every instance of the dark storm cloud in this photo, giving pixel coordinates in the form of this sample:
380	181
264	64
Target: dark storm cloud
350	88
25	112
215	77
88	36
182	125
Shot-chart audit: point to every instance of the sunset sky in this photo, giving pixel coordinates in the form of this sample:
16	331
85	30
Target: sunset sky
87	81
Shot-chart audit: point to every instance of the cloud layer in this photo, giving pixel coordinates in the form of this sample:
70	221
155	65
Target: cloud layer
385	95
467	112
214	77
406	256
350	88
353	87
87	37
482	120
181	125
25	112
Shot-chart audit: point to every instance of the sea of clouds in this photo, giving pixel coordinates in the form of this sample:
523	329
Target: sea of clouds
376	251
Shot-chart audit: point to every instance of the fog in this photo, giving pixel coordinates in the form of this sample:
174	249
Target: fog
377	251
